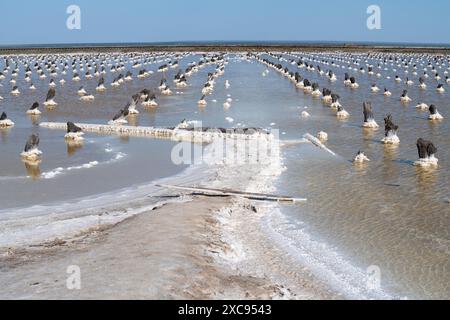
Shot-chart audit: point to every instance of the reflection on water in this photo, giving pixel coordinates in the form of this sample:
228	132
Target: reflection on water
33	169
133	120
390	151
34	119
369	133
124	138
426	178
73	146
4	134
361	167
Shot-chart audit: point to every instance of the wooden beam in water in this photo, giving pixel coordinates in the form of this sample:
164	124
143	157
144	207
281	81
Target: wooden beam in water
317	143
115	129
227	192
176	134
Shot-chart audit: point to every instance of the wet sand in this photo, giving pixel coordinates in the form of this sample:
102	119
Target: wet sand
177	251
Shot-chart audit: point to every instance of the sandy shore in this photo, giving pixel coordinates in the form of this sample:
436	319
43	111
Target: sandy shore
178	251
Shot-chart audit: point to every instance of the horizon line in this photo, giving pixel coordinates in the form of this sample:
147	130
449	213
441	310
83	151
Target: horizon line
227	43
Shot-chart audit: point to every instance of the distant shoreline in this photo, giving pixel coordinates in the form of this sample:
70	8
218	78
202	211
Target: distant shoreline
222	46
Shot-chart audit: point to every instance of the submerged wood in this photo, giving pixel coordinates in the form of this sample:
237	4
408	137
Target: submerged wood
228	192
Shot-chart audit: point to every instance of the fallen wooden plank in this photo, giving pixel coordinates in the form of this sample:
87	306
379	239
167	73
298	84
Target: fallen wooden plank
115	129
288	143
200	135
227	192
317	143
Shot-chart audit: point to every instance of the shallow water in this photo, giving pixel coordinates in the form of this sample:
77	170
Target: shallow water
386	213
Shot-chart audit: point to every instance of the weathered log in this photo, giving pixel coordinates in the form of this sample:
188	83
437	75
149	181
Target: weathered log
317	143
228	192
199	135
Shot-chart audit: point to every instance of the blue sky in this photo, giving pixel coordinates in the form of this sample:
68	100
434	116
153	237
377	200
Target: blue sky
44	22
